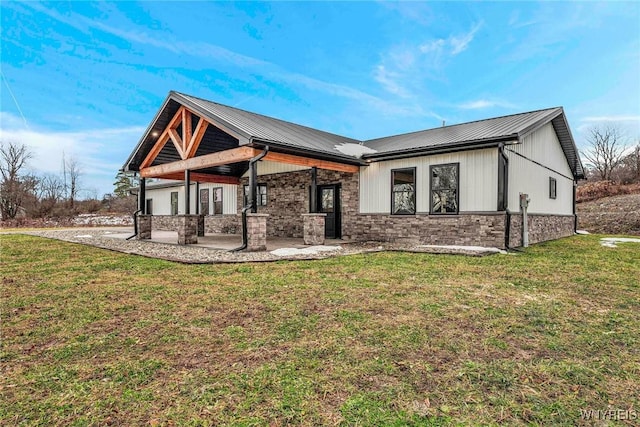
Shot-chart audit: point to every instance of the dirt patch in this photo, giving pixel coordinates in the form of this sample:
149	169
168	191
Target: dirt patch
611	215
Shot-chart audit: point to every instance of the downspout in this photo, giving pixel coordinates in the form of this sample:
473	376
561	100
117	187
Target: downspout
248	205
575	214
505	195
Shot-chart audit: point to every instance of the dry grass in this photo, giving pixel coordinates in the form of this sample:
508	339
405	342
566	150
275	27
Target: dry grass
92	337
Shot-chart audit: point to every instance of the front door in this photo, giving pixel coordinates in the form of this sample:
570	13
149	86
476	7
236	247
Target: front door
329	203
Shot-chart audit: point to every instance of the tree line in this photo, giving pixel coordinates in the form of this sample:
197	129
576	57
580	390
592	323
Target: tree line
610	157
25	194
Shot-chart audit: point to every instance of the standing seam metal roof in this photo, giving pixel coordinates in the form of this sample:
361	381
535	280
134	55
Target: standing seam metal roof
261	128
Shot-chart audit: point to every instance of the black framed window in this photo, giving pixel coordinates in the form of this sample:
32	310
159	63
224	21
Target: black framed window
444	188
553	188
261	196
204	201
149	206
403	191
217	201
174	203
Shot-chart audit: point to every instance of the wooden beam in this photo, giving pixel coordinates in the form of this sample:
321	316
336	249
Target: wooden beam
202	177
186	129
177	141
219	158
201	128
158	146
164	137
305	161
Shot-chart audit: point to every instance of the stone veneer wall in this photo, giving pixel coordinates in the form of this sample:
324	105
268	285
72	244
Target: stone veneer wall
288	198
464	229
541	228
230	224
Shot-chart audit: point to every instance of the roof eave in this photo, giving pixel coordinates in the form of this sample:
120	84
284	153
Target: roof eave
316	154
440	149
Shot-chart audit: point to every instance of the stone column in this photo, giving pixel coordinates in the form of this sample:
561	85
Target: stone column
256	232
313	228
144	227
187	229
200	225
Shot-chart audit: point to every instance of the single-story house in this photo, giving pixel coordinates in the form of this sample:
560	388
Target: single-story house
261	176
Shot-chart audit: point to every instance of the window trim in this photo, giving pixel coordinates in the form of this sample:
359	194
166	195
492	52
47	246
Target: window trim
203	191
431	167
213	200
177	211
148	206
553	188
266	194
415	190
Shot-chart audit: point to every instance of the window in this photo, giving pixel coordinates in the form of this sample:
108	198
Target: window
204	201
261	196
217	201
444	188
174	203
553	188
403	191
149	206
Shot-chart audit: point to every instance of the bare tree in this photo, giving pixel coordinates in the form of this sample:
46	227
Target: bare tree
72	172
50	191
13	159
606	150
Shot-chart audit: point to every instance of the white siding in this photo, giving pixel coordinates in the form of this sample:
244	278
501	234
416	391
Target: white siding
478	181
527	177
162	198
266	167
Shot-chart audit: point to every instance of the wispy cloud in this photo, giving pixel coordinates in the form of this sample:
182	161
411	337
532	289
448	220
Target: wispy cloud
402	67
484	103
98	151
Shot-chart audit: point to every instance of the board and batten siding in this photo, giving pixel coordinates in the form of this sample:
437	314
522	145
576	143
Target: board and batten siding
528	177
478	181
162	198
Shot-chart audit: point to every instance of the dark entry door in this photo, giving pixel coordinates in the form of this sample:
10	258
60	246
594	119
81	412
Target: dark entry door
329	203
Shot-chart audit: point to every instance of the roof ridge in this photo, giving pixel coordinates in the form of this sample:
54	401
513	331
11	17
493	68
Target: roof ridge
465	123
268	117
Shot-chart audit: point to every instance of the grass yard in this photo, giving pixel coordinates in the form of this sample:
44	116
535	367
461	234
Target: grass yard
92	337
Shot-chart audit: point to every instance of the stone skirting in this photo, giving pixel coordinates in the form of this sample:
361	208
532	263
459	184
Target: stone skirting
226	224
541	228
144	226
313	226
256	232
187	229
464	229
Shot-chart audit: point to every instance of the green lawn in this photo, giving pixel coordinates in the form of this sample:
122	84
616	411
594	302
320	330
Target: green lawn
93	337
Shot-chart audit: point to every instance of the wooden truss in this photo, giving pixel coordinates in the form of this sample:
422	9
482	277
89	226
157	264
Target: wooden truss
187	145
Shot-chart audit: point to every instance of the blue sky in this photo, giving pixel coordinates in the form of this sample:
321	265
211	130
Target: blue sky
87	78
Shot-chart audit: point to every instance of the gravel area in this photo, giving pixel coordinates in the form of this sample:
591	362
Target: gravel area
113	240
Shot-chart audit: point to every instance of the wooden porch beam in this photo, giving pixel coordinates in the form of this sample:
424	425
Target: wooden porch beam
219	158
305	161
158	146
203	177
194	143
186	130
177	141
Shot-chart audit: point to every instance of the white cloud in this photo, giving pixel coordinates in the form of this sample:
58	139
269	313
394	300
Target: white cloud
460	43
484	103
100	152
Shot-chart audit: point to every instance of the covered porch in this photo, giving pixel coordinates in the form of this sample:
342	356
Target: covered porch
188	143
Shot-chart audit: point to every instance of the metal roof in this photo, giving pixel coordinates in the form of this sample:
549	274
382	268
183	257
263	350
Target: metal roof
259	128
251	128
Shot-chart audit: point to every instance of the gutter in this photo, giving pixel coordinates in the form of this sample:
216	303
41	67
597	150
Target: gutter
248	205
448	148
